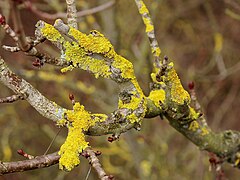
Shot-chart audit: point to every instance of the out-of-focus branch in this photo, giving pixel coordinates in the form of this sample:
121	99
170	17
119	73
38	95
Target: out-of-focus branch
72	13
18	26
31	51
35	163
82	13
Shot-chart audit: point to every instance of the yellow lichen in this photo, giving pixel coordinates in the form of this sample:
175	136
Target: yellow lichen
95	42
51	33
194	126
218	39
157	51
178	93
157	96
193	114
137	100
204	131
237	161
148	24
79	120
143	9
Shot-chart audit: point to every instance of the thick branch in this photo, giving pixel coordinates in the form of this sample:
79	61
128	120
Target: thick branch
36	163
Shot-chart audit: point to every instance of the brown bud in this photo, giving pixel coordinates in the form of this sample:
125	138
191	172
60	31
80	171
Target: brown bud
71	97
98	153
20	152
110	139
191	85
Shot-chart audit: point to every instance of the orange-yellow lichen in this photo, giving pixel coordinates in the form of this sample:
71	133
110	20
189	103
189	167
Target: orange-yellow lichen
157	96
79	120
178	93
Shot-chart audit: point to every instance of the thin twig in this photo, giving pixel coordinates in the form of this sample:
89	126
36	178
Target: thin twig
13	98
60	15
95	163
72	13
18	26
150	32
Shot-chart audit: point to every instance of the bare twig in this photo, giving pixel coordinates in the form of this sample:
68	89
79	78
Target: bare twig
72	13
60	15
31	50
8	29
13	98
95	163
24	154
36	163
18	26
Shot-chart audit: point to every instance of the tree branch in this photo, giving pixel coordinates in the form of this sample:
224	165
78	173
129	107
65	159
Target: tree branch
36	163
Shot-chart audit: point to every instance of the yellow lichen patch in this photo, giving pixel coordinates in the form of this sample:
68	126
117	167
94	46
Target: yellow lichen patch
95	42
70	150
218	40
143	8
157	96
78	57
193	114
178	93
125	66
137	100
133	118
204	131
148	24
133	104
194	126
156	50
51	33
237	161
79	121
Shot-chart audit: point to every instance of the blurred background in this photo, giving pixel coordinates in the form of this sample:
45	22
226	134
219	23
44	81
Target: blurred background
202	38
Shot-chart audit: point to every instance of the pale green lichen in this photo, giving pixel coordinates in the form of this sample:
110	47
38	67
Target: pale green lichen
79	120
178	93
157	96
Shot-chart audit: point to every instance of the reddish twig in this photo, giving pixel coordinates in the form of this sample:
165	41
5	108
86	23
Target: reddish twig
24	154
